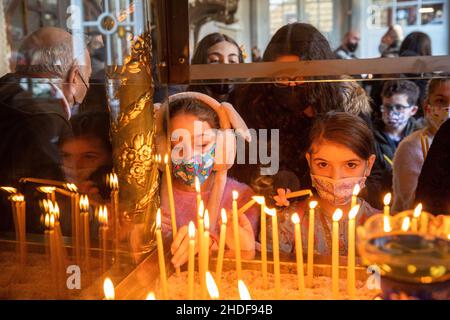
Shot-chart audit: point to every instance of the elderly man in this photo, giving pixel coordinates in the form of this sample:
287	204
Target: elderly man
36	102
349	46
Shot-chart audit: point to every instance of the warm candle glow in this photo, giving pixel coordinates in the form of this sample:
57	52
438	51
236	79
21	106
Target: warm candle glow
108	289
386	224
47	221
244	294
295	218
166	159
71	187
271	212
235	195
17	198
201	209
112	181
223	215
197	185
337	215
51	221
103	215
356	190
353	212
387	199
313	204
9	189
259	200
405	224
84	203
46	189
158	219
418	211
206	220
211	286
150	296
191	230
56	210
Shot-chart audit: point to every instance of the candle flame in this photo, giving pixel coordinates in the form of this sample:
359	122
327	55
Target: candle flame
405	224
108	289
47	221
201	209
112	180
387	199
158	218
71	187
244	294
206	220
295	218
191	230
235	195
418	211
223	214
197	184
150	296
337	215
56	210
356	190
103	215
166	159
46	189
9	189
386	224
17	197
211	286
353	212
313	204
84	203
259	200
271	212
51	223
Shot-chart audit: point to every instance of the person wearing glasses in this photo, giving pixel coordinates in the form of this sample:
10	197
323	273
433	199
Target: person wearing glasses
36	103
399	106
412	151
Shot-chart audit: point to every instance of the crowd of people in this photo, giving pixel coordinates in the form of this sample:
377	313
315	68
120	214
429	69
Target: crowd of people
333	134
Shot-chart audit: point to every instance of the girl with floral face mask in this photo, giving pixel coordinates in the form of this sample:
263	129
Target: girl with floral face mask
340	156
193	126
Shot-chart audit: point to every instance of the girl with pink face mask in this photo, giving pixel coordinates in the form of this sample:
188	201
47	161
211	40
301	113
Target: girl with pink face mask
341	155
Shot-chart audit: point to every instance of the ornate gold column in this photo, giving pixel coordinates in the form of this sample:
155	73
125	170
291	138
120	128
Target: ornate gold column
130	96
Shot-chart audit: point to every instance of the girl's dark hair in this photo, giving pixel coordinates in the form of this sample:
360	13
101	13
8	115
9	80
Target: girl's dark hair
196	108
416	43
201	52
345	129
299	39
91	125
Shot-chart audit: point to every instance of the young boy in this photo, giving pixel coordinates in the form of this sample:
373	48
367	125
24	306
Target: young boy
399	105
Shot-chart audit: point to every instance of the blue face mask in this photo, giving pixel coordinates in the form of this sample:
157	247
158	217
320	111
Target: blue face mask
199	166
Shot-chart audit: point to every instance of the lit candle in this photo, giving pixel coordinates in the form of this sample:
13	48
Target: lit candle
191	260
424	223
387	201
173	217
276	252
356	191
405	224
84	208
115	214
223	232
150	296
262	202
162	263
416	215
386	224
310	263
50	239
198	191
351	278
18	203
244	294
212	287
75	213
201	228
103	229
299	253
237	243
335	253
108	289
205	245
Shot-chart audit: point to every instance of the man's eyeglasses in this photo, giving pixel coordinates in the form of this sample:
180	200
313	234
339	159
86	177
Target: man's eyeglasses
394	107
284	82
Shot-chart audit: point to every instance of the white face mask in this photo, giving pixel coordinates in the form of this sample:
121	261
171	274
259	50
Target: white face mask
337	192
437	116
